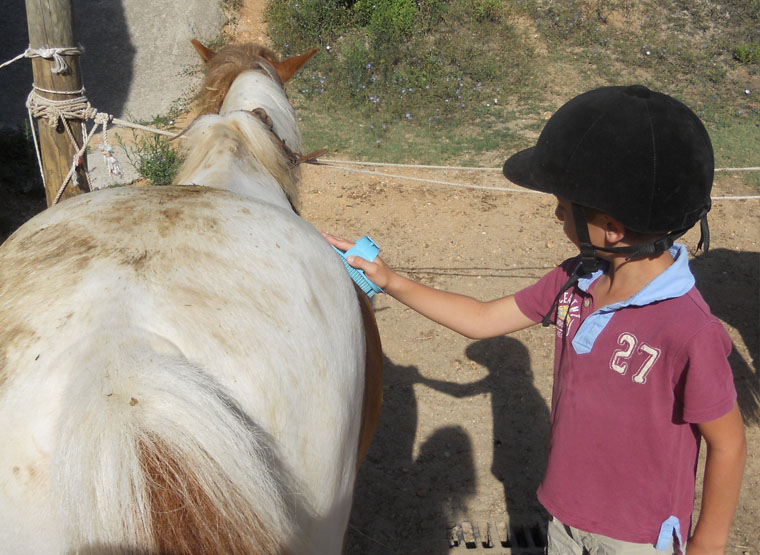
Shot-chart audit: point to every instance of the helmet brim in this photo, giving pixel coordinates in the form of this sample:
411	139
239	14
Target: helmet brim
519	169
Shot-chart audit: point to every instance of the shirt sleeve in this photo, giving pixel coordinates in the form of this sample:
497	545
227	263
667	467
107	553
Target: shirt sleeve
708	391
535	300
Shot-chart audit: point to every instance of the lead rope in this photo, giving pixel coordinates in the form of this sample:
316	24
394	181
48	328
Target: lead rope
294	158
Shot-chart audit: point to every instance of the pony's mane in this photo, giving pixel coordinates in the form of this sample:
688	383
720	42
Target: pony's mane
223	68
245	135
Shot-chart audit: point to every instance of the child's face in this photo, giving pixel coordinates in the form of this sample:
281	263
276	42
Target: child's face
564	213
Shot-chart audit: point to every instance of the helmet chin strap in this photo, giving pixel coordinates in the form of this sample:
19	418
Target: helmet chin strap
590	262
655	246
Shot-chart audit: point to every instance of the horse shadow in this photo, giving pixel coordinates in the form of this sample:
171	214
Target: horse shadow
729	281
404	504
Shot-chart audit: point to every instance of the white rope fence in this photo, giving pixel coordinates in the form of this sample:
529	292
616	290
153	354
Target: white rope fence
55	54
79	108
339	164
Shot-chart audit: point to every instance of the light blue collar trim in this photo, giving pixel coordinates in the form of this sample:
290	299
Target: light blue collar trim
674	282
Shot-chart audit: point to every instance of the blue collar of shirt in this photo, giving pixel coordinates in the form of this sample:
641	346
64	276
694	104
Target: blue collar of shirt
674	282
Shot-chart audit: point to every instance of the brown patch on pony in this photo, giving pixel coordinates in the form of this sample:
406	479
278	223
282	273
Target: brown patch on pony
373	378
223	67
186	520
14	336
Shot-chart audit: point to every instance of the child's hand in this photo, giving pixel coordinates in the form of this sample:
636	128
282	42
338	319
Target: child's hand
376	271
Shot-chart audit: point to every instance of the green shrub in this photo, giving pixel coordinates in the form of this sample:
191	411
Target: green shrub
298	25
748	53
488	10
387	21
154	158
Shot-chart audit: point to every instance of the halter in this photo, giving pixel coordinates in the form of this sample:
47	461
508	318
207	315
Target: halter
294	158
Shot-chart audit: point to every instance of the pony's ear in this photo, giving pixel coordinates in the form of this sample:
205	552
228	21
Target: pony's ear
205	53
288	67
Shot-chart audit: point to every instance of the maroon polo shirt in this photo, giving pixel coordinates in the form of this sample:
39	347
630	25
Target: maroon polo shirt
631	380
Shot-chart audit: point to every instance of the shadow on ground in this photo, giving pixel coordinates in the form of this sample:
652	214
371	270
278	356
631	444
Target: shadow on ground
730	283
403	504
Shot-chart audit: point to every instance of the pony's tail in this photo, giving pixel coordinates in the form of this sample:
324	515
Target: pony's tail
153	456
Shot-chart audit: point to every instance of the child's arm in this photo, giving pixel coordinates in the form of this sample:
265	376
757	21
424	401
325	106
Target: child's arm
724	466
470	317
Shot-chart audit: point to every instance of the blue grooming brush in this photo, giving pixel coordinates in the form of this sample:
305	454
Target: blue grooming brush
366	249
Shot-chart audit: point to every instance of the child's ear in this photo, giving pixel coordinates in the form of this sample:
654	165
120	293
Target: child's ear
614	230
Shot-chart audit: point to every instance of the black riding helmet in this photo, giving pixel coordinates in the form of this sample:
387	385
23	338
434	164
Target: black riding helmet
640	156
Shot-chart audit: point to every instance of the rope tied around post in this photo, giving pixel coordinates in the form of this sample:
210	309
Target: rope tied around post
53	111
55	54
57	112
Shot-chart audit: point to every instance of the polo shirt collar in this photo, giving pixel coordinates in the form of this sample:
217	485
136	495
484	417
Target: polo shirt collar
674	282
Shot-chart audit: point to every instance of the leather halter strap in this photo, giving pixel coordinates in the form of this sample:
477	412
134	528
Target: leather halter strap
294	158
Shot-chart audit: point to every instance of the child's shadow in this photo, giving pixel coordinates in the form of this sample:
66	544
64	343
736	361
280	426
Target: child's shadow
730	284
403	504
521	422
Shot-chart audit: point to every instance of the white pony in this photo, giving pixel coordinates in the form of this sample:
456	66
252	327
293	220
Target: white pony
182	369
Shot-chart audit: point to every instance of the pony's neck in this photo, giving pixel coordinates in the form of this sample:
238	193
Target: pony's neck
253	89
238	152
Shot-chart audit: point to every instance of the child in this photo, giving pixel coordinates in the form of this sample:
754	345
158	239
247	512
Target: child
640	369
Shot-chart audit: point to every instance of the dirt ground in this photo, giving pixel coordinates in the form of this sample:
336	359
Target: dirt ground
465	423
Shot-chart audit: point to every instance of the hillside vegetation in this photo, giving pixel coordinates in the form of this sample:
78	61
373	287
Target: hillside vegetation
467	81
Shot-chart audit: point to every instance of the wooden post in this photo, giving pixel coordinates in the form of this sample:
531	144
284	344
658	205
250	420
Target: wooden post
51	25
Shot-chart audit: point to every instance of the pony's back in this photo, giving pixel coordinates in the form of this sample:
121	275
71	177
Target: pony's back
178	367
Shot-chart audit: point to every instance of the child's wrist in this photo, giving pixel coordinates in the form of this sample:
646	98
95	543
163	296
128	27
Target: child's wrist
699	545
395	283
